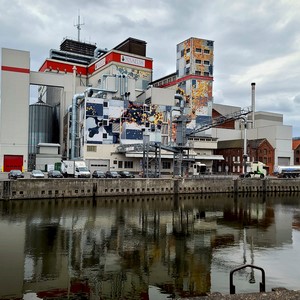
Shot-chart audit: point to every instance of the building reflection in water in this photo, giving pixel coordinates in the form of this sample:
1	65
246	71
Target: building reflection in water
122	248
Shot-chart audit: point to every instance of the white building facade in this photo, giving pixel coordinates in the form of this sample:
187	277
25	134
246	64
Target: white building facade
108	104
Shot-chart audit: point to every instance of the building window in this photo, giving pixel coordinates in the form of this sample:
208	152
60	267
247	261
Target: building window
115	162
206	51
206	74
128	164
104	135
166	165
297	159
120	164
197	73
188	50
187	61
198	61
206	62
198	50
187	71
105	104
91	149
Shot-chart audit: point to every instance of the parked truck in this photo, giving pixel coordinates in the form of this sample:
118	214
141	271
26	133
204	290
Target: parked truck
256	169
75	168
287	171
199	169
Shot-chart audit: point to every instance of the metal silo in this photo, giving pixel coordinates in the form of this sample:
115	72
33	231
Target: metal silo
40	127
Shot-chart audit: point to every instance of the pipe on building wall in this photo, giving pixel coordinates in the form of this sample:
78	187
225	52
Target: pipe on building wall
74	122
104	81
126	84
89	92
121	86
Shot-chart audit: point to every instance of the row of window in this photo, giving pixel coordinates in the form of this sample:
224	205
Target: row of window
197	50
199	62
237	159
127	164
199	73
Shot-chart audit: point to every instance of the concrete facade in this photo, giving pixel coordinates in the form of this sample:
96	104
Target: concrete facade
14	113
16	79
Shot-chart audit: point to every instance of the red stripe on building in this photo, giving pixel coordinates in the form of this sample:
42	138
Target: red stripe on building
15	69
114	57
111	57
197	77
50	65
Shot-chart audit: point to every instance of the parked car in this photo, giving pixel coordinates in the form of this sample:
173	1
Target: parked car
37	174
15	174
98	174
126	174
112	174
55	174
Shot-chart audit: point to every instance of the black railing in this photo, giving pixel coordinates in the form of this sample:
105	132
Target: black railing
262	285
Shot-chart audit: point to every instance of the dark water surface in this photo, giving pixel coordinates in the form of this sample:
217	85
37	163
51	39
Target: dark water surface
158	247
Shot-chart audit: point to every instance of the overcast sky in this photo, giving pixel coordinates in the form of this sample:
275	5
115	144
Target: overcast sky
254	40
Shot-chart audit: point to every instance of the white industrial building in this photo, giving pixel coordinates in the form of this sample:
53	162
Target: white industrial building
100	105
266	125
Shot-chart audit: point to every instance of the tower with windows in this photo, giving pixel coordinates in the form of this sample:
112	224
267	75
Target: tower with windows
194	77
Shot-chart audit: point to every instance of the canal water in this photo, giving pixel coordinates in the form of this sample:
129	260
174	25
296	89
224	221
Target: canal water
159	247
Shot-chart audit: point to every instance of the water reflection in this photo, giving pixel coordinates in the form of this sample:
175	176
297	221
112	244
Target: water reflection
146	247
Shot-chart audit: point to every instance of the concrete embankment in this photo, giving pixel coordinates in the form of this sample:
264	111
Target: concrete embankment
65	188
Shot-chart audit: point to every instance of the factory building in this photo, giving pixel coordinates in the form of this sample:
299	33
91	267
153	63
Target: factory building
98	100
103	106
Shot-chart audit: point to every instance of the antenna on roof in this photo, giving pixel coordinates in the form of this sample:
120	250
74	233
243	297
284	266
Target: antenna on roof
78	25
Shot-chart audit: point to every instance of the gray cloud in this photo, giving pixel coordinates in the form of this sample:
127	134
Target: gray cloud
255	41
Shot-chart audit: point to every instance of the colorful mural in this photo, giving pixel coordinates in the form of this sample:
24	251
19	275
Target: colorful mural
108	121
195	67
142	78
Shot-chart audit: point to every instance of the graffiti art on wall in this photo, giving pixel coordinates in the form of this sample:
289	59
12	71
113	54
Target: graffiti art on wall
108	121
195	63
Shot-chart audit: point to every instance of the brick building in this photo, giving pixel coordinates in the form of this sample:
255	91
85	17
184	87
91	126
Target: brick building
296	149
233	150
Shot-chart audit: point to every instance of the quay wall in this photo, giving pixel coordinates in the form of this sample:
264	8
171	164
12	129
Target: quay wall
66	188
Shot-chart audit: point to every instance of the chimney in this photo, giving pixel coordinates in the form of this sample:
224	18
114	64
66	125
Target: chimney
253	103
